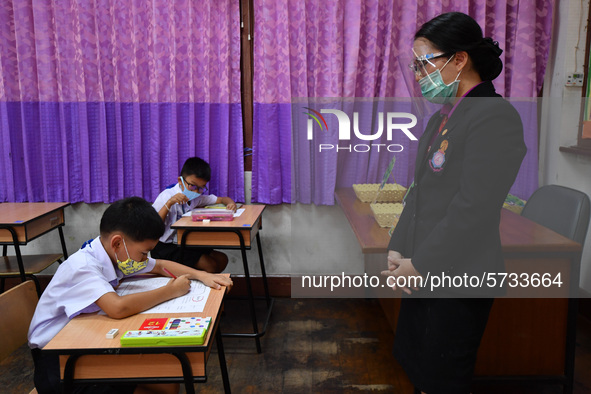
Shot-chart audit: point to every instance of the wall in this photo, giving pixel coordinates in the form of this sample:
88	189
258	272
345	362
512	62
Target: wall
311	239
561	112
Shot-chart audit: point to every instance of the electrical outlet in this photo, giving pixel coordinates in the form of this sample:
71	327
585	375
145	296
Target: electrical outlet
574	79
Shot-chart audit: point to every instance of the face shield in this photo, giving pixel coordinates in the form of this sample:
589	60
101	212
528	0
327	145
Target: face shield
419	64
412	70
416	67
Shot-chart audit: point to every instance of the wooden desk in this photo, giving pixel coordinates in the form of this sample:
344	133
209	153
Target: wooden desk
526	338
21	223
219	234
236	234
372	238
87	356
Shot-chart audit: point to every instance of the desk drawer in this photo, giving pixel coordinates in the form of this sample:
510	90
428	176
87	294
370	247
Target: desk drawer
217	238
211	237
27	231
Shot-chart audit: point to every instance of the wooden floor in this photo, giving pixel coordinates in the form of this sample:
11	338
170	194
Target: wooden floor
312	345
340	346
315	346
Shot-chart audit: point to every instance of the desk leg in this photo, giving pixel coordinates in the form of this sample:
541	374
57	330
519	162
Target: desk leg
68	381
222	358
571	333
17	250
187	372
21	268
571	324
253	314
571	343
4	252
63	241
263	272
256	334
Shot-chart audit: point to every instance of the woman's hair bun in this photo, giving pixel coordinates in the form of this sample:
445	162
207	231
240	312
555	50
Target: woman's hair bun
493	45
454	32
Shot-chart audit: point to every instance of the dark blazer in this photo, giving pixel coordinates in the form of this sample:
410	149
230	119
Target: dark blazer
450	223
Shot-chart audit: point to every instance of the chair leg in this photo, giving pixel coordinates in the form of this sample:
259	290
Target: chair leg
37	284
2	281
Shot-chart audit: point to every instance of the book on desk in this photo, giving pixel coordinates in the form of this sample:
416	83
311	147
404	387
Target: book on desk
168	331
200	214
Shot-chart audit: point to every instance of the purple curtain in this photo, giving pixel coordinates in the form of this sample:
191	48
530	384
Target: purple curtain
103	100
306	52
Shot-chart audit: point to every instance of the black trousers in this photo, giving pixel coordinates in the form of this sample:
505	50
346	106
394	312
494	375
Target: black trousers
437	341
168	251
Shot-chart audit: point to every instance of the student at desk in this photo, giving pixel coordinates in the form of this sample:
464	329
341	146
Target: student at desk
86	282
184	196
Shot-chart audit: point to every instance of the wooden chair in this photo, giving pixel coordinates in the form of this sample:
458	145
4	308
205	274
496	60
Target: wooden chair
18	306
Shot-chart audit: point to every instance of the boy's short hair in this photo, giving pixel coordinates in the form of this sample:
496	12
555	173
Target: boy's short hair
198	167
134	217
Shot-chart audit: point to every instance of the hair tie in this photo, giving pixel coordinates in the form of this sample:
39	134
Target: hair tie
494	45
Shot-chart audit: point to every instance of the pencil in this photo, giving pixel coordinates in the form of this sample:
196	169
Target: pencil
168	272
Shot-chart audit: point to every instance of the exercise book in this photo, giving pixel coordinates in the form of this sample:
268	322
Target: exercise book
193	301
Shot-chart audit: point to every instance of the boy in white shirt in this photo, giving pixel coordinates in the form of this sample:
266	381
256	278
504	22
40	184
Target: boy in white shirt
176	200
86	282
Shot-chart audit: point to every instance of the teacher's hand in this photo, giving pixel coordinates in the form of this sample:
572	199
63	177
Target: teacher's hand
403	273
393	258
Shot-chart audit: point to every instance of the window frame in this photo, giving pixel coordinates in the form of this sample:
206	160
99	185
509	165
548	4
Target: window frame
583	146
246	76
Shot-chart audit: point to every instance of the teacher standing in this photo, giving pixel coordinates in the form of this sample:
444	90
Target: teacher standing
467	160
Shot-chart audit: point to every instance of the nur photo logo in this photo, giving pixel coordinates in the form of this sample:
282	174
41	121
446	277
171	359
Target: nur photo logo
389	122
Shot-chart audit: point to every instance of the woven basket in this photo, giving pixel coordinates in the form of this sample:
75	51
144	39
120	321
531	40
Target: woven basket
386	215
392	192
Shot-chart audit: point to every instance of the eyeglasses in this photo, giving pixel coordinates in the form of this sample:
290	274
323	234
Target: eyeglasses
419	64
198	189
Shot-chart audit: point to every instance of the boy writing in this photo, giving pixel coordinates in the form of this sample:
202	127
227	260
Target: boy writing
173	202
86	282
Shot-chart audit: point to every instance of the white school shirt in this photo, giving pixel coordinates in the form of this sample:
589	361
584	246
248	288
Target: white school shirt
78	282
176	211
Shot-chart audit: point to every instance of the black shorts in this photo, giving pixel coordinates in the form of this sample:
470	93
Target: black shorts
47	378
437	340
169	251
